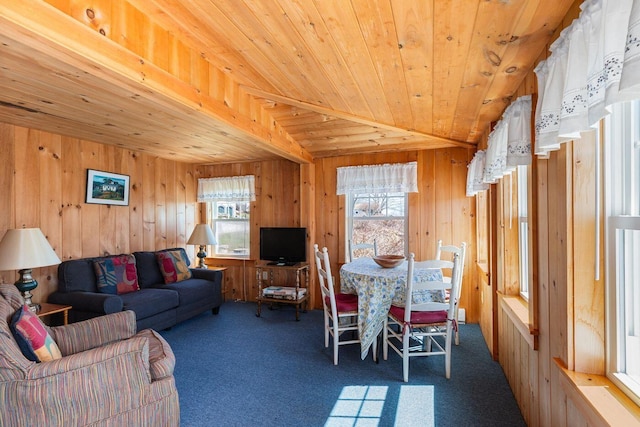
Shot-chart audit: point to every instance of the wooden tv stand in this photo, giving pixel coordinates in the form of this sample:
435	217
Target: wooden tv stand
297	295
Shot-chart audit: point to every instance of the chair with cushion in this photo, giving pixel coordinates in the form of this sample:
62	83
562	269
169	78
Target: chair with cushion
448	251
357	248
94	372
425	325
340	310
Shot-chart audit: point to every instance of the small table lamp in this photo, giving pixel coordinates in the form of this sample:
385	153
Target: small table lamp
23	249
202	235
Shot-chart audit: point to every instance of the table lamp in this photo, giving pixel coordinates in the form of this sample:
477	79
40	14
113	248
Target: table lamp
202	235
23	249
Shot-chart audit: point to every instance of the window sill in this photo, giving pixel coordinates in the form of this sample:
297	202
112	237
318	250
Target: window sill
518	311
598	399
229	256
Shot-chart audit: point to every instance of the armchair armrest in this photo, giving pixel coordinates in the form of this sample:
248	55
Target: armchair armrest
95	332
136	350
96	384
203	273
93	302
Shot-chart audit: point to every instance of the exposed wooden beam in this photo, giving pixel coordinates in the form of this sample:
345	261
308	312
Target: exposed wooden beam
54	33
441	142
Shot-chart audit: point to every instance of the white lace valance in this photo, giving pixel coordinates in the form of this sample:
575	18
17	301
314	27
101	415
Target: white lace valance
231	189
387	178
475	175
509	143
594	63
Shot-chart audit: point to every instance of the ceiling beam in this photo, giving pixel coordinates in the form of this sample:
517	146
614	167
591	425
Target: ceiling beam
54	33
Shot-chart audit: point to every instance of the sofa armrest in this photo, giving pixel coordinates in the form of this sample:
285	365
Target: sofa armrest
203	273
95	332
93	302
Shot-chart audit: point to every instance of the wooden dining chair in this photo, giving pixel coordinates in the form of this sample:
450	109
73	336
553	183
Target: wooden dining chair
426	319
340	310
449	251
353	247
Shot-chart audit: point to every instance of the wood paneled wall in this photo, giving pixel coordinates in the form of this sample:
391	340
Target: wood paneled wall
43	184
278	193
571	308
440	209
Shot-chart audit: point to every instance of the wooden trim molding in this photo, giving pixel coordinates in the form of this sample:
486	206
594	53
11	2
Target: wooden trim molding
598	399
518	311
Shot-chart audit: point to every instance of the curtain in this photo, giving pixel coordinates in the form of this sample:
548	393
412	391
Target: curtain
386	178
518	116
629	81
475	174
230	189
496	160
509	143
594	63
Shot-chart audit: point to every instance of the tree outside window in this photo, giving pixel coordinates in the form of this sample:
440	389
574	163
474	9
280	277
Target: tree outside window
379	216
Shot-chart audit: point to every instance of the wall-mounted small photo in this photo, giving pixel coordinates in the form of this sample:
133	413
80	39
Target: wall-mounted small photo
107	188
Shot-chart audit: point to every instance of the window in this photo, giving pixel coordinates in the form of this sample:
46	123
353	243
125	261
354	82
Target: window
523	230
230	223
381	216
622	187
228	200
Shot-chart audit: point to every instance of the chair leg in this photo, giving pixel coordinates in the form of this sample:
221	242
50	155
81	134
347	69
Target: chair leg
405	355
385	337
336	342
375	348
447	356
457	337
326	330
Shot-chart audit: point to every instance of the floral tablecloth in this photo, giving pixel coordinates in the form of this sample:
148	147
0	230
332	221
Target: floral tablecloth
377	288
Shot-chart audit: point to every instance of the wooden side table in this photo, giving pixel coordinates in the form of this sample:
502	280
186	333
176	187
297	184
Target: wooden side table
47	309
221	269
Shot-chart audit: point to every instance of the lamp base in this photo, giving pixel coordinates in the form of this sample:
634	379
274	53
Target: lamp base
25	284
34	307
201	256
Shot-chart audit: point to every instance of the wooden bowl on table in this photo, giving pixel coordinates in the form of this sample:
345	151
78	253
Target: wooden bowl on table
389	261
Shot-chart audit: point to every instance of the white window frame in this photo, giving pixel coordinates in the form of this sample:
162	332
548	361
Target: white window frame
350	217
221	250
622	231
523	229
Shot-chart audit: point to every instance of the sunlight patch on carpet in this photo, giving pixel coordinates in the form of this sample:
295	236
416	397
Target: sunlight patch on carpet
415	406
358	406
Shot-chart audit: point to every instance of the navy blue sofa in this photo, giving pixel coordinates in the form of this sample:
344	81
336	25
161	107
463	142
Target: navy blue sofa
157	305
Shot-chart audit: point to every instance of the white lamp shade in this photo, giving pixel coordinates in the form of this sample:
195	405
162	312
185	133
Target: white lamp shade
25	248
202	235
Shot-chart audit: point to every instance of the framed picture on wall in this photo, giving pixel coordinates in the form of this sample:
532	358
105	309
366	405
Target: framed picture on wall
107	188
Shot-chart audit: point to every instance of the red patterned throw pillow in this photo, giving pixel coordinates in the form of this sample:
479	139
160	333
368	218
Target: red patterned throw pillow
173	265
117	275
33	339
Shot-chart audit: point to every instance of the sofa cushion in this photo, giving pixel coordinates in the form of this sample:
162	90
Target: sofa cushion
116	275
149	275
148	302
173	266
193	290
77	275
32	336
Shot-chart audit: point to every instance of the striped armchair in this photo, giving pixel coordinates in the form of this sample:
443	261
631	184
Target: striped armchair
108	375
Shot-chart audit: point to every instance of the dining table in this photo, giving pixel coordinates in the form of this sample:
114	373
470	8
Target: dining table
377	289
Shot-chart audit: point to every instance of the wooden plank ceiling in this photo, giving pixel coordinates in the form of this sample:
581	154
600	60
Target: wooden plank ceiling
299	79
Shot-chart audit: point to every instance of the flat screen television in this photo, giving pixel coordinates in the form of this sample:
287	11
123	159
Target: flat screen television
283	245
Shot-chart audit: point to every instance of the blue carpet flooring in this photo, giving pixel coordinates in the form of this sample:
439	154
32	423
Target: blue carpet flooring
236	369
